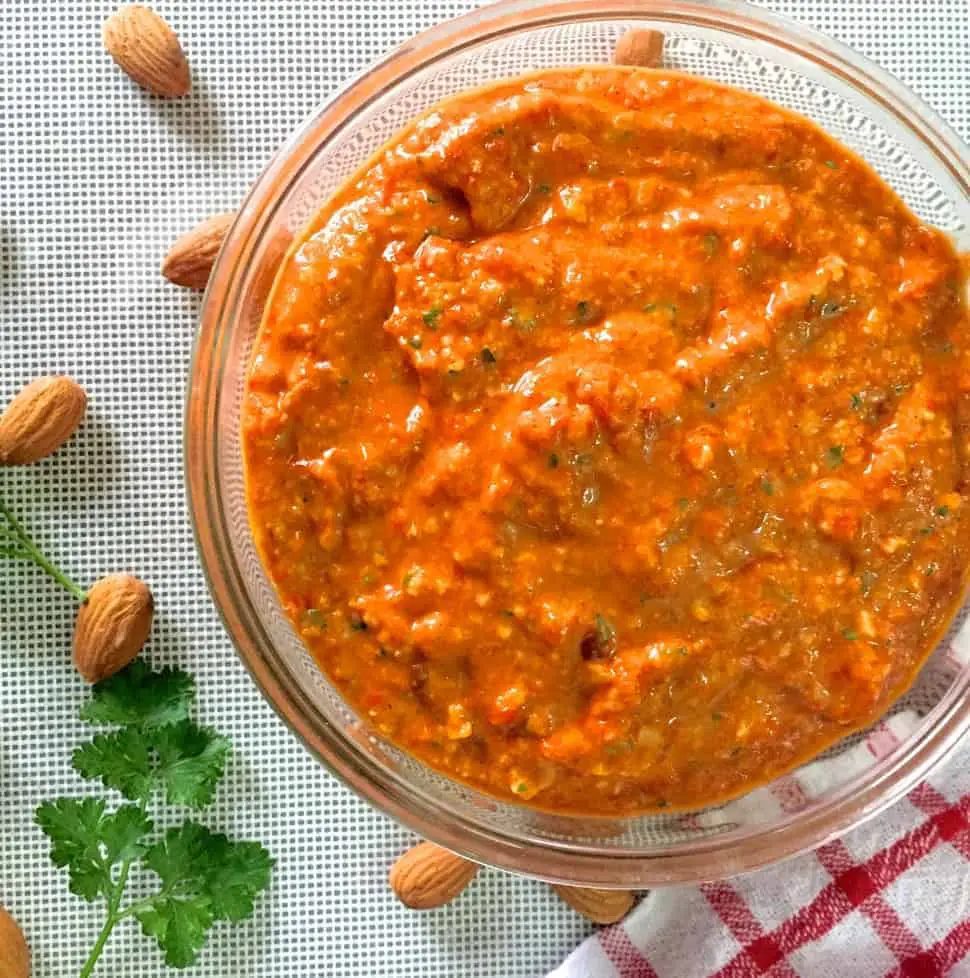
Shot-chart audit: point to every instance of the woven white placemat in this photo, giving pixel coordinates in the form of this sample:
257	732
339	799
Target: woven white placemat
96	179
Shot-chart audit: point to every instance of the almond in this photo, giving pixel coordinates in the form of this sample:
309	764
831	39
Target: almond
599	906
642	48
147	50
40	419
428	876
14	953
112	626
189	261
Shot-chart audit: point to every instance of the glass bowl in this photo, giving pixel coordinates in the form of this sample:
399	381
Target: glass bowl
743	46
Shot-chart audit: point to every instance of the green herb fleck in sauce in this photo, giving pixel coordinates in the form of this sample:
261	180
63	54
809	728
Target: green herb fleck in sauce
835	456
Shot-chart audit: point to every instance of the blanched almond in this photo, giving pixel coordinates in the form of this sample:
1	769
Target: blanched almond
112	625
643	48
14	953
189	261
147	50
40	419
428	876
599	906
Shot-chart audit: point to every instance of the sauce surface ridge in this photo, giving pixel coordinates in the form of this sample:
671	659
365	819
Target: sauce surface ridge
608	438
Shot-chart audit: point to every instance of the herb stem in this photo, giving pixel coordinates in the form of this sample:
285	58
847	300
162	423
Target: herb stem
146	903
21	547
89	965
114	902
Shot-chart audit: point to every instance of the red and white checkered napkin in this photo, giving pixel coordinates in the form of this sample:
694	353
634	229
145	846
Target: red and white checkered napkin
891	898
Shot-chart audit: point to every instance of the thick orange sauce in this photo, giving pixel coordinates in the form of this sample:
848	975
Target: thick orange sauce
607	440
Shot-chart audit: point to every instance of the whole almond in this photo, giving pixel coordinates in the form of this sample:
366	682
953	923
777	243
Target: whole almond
428	876
14	953
189	261
599	906
40	419
147	50
642	48
112	626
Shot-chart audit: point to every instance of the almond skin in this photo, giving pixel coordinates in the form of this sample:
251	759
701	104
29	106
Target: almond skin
14	953
428	876
147	50
189	261
599	906
40	419
642	48
112	626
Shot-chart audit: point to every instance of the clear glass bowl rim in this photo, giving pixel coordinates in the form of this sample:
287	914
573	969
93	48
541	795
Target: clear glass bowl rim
585	864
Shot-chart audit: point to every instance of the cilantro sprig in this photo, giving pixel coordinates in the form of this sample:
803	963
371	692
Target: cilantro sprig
156	752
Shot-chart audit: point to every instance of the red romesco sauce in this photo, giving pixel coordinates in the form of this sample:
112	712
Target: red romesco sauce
607	440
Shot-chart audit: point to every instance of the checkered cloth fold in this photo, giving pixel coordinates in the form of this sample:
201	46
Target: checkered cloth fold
889	900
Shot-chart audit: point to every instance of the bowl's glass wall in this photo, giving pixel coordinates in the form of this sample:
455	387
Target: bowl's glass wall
852	779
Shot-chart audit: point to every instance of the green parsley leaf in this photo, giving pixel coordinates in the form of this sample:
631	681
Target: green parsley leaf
191	762
120	760
544	188
74	828
553	461
138	697
205	877
850	633
943	511
240	874
831	164
89	843
855	402
180	927
123	833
